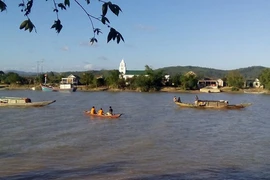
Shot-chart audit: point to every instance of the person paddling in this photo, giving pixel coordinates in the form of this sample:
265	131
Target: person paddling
100	112
93	110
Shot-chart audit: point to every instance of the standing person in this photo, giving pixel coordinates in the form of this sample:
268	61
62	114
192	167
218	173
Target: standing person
100	112
93	110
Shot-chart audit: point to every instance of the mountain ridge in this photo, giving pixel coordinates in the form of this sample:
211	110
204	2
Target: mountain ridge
249	72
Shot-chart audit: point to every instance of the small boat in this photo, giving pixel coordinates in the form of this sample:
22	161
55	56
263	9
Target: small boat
48	88
103	116
212	104
22	102
254	92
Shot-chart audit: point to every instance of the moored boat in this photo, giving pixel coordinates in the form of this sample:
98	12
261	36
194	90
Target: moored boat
22	102
212	104
48	88
254	92
103	116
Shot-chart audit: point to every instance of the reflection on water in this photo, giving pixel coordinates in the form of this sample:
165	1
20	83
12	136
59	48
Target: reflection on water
154	139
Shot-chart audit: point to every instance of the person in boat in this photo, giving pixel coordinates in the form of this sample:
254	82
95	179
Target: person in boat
93	110
100	112
174	99
110	113
196	100
178	100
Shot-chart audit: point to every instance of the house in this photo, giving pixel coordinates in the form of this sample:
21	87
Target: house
208	83
221	83
129	73
71	79
251	83
257	83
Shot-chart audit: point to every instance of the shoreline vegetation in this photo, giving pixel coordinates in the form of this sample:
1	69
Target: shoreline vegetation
163	89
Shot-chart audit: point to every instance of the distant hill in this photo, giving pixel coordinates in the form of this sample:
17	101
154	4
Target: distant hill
248	72
22	73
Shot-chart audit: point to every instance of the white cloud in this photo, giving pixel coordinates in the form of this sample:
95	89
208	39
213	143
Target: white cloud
144	28
65	48
88	66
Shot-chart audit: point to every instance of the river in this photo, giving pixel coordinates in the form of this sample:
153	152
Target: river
153	139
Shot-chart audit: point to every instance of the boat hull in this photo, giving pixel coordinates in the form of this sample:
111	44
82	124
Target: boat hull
30	104
232	106
48	89
114	116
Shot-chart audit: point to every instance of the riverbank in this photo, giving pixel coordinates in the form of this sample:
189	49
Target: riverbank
164	89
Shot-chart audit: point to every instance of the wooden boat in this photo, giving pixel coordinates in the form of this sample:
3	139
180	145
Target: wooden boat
212	104
22	102
48	88
103	116
254	92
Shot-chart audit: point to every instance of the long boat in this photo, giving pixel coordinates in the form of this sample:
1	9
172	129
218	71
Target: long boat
212	104
103	116
254	92
22	102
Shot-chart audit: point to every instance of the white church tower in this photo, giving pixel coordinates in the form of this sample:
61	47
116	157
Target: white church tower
122	67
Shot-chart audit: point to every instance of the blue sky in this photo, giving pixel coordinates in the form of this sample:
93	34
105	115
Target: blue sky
221	34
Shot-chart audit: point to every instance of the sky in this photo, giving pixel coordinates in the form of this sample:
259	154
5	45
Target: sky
219	34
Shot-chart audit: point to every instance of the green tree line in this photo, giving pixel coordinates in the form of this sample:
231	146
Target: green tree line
153	80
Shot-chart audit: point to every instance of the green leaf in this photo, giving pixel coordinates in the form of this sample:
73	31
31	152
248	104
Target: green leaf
97	31
23	24
115	9
93	40
67	3
57	26
121	37
104	20
62	6
114	35
111	35
30	25
104	9
3	6
118	39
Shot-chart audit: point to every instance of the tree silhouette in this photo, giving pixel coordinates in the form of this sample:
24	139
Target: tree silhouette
27	25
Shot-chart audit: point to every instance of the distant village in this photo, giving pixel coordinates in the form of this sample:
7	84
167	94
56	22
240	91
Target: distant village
141	80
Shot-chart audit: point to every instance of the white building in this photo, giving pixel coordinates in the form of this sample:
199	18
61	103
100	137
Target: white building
129	73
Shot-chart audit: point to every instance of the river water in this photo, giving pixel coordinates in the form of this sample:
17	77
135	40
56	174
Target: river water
153	139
